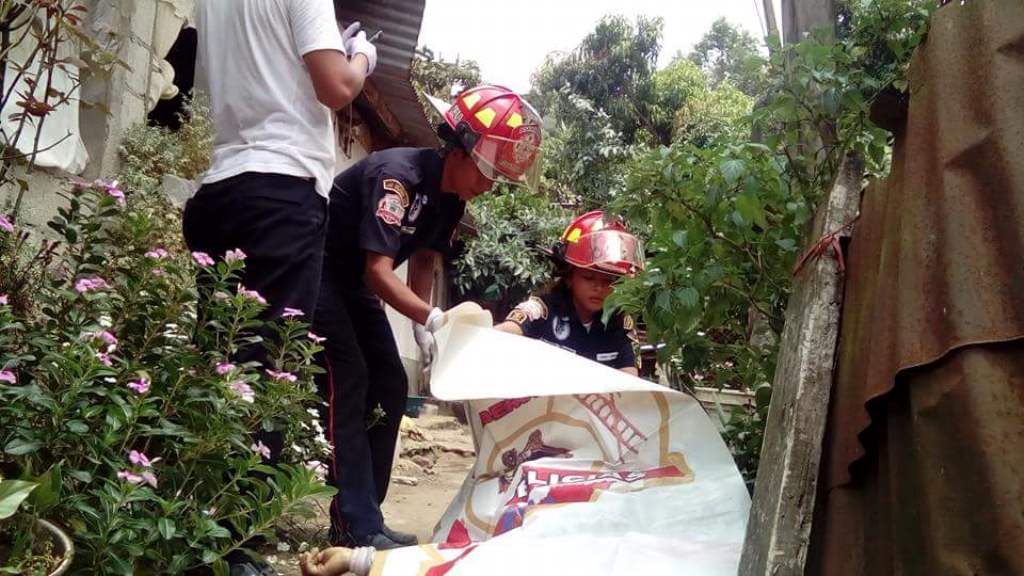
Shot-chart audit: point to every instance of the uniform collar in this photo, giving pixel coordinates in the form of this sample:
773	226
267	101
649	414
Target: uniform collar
433	167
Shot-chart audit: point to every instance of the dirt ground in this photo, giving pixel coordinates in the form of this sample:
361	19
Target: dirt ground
436	454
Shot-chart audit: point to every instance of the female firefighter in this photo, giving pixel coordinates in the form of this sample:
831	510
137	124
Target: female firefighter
397	205
593	252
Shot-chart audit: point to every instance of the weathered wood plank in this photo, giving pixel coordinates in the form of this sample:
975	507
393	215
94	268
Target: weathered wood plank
778	533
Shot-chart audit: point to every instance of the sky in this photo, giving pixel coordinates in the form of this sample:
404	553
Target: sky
509	49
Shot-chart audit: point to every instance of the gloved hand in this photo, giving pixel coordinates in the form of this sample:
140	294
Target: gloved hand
424	334
349	32
359	44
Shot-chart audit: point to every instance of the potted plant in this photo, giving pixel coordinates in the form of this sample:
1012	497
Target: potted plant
29	545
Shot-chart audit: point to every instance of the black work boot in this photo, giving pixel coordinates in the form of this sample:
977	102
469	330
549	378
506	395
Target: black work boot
403	538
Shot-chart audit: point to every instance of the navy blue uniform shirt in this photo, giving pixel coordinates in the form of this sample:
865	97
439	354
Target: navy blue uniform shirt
390	203
552	318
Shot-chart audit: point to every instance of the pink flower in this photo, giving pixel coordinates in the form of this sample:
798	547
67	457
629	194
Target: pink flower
108	338
84	285
141	386
140	459
243	291
130	477
292	313
8	376
159	271
244	391
318	468
316	338
149	477
5	224
157	254
235	255
282	376
104	359
225	368
202	258
3	299
261	449
112	189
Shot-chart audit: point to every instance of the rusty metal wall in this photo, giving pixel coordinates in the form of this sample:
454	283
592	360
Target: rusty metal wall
400	20
925	439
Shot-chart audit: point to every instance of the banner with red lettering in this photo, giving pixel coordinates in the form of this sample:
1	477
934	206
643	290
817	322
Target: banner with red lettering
581	469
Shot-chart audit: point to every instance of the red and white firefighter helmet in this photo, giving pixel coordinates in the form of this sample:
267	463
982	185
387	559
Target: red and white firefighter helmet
598	242
499	129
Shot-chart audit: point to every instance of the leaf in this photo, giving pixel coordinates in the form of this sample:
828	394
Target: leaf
664	301
12	494
688	296
48	494
77	426
19	447
679	238
732	170
750	208
166	527
787	244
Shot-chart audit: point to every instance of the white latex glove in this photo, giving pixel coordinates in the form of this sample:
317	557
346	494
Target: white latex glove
424	334
349	32
359	44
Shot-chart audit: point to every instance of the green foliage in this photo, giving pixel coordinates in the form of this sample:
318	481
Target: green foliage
696	111
114	355
440	78
727	217
503	263
584	156
729	54
612	68
149	152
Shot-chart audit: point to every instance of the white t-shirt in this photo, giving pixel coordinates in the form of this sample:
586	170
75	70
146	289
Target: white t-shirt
264	107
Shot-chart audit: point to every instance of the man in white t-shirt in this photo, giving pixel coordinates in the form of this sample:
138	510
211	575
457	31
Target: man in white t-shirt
274	72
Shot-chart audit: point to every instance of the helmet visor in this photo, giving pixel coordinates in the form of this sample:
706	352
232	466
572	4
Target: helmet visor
515	161
612	251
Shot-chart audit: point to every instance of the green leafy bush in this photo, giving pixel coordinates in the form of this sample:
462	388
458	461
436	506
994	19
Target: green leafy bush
503	261
121	396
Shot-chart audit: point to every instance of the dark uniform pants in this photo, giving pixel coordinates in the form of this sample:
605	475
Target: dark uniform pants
280	222
363	371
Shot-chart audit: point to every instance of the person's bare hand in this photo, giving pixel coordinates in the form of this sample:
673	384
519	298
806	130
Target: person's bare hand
333	561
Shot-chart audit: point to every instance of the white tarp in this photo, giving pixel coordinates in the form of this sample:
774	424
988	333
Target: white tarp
580	469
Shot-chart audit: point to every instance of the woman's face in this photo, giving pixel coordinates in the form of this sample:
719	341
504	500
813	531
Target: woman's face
589	289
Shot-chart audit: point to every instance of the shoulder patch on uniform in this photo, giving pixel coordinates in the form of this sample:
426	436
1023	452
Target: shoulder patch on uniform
516	316
395	186
390	209
529	311
628	323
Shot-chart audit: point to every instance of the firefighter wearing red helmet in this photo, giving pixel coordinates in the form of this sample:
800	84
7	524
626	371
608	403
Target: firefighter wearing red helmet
394	206
593	252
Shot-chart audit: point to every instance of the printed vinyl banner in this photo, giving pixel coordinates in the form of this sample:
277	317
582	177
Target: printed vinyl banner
581	469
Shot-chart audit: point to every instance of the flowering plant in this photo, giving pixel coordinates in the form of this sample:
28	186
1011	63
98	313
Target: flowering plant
129	399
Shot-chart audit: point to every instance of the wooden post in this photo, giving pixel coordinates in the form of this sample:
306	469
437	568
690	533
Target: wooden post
770	22
779	530
802	16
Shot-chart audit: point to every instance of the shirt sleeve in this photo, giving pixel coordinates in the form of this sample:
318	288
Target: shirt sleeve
314	26
381	225
530	316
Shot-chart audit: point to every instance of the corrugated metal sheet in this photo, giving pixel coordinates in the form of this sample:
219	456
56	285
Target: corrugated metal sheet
400	20
924	447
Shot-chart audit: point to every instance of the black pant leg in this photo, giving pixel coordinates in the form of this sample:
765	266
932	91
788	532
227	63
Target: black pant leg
280	222
344	387
388	382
